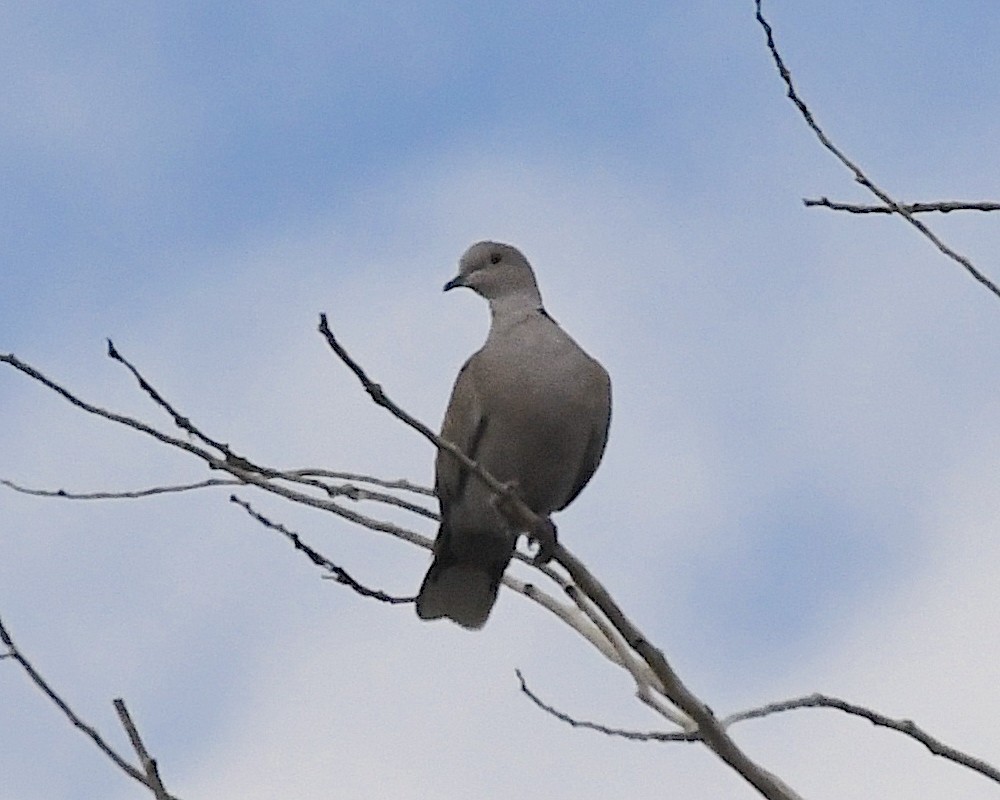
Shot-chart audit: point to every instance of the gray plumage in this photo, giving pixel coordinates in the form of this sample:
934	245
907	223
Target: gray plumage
530	406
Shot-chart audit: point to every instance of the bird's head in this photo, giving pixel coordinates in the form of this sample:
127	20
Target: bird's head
496	271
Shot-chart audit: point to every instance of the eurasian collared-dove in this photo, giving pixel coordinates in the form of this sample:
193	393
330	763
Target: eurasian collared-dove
530	407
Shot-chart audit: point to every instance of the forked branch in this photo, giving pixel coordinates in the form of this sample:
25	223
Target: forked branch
859	176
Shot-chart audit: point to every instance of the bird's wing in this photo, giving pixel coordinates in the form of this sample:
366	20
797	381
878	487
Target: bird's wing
598	387
464	425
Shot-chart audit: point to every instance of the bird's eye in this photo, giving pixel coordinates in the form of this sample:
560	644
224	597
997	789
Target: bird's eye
494	258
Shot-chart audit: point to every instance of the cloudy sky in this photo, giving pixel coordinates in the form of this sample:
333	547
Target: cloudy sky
801	488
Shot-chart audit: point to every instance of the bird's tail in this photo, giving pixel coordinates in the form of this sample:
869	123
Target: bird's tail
462	592
463	586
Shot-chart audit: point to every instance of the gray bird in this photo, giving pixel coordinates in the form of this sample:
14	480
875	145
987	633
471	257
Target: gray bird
531	407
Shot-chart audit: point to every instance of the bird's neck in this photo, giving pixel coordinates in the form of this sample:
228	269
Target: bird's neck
514	306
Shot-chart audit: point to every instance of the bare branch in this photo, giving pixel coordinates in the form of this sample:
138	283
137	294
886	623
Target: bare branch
14	653
241	469
648	687
905	726
860	176
122	495
612	637
400	483
259	480
339	573
936	746
358	494
148	763
944	206
31	372
295	476
180	421
635	736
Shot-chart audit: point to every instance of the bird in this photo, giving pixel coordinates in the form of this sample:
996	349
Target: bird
533	409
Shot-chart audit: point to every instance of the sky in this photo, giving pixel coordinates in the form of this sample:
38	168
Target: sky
800	488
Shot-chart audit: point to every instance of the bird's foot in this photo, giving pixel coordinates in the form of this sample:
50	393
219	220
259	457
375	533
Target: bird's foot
544	535
540	530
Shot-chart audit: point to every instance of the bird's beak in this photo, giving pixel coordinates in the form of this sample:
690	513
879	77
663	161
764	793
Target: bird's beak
454	283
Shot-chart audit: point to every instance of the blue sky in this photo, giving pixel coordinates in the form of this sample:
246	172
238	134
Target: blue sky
799	492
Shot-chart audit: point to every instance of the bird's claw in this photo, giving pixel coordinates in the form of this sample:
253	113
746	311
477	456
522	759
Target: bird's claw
544	535
542	531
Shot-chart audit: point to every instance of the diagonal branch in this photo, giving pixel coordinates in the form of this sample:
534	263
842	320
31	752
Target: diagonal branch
339	573
577	620
860	176
180	420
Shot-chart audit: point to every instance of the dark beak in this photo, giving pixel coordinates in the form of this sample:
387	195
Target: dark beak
454	283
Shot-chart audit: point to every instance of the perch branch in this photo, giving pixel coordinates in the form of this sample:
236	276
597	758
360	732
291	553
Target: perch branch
712	732
260	480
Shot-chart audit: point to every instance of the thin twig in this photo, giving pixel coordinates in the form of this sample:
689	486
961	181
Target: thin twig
148	763
399	483
936	746
185	424
121	495
944	206
860	176
180	420
349	491
635	736
339	573
360	494
31	372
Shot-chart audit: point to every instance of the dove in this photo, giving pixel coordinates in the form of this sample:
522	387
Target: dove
532	408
